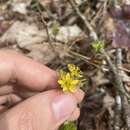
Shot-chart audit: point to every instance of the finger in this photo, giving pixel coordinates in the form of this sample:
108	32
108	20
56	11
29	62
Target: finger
79	94
45	111
24	93
75	115
3	108
6	89
35	76
9	100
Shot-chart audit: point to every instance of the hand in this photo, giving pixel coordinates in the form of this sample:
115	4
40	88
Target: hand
46	110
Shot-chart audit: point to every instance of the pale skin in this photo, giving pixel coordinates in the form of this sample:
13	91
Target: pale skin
46	110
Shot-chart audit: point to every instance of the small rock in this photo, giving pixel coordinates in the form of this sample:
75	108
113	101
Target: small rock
67	33
19	8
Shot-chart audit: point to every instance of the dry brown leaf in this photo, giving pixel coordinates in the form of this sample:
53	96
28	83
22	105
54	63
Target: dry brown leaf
44	52
41	52
23	34
108	101
4	25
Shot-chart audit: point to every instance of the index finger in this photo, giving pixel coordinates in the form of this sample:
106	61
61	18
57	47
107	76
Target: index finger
27	72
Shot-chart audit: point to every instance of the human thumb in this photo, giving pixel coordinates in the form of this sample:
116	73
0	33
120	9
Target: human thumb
45	111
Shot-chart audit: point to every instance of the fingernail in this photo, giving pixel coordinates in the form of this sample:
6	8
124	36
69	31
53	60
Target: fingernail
63	106
79	94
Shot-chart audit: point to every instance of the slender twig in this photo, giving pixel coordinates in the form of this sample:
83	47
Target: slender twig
97	16
124	69
50	15
126	111
125	104
82	57
47	30
118	110
118	80
118	99
84	19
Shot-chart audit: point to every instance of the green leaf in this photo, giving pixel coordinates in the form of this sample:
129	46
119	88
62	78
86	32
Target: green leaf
97	45
68	126
55	28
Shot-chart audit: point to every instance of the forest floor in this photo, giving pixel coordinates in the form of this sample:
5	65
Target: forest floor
92	34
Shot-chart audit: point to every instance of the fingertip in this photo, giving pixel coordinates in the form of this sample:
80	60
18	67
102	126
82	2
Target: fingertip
75	115
52	80
79	94
34	75
63	105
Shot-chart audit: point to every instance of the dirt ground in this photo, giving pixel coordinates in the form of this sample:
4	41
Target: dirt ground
59	32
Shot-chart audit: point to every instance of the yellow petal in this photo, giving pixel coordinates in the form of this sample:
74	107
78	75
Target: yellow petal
65	89
60	81
68	77
74	82
72	89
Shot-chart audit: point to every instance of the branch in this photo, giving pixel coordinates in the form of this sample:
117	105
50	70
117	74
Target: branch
118	99
118	80
86	23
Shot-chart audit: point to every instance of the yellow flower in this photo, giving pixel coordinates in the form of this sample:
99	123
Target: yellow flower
75	71
67	82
